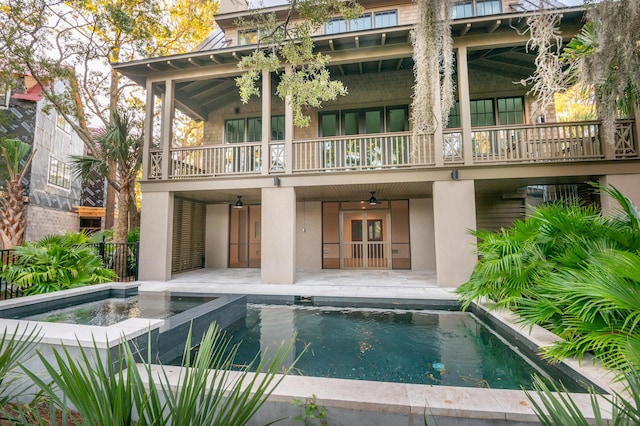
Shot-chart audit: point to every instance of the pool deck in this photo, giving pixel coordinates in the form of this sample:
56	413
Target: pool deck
358	402
387	284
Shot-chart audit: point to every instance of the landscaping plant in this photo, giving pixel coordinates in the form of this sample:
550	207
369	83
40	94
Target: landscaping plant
56	262
107	391
573	271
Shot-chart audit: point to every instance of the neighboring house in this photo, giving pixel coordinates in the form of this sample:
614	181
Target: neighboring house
356	189
51	189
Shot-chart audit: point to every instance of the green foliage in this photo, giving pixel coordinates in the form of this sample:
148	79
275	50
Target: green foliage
572	271
312	412
56	262
104	395
13	152
555	406
289	41
16	347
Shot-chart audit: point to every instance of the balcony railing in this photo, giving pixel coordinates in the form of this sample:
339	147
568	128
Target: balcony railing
543	143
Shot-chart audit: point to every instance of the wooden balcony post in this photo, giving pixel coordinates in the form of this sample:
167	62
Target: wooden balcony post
438	137
288	129
167	126
266	121
636	128
148	130
465	102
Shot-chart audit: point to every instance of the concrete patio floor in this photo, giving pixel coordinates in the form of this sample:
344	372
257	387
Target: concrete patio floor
335	283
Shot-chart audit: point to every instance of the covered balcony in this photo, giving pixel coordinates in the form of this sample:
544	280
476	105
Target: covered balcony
497	145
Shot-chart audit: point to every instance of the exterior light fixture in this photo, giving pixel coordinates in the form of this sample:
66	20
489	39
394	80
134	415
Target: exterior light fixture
454	174
372	200
239	204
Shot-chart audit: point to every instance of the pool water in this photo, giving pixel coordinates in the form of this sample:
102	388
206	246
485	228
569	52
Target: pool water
110	311
406	346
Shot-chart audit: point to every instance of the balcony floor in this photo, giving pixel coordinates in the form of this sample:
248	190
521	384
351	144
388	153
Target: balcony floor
331	283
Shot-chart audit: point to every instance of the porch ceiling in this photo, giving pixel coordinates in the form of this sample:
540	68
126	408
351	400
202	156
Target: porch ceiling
350	192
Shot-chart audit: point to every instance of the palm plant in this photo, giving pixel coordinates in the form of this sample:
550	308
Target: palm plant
120	144
14	163
572	271
207	392
56	262
555	406
16	347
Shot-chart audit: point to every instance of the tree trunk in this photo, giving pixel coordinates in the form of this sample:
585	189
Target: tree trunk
13	223
134	214
121	253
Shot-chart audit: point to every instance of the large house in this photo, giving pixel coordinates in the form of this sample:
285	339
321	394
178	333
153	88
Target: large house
52	192
356	189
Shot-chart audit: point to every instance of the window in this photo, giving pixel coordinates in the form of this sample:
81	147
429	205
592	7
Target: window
488	7
470	8
387	18
454	116
5	96
62	124
59	173
234	130
335	25
510	111
463	9
277	128
250	129
246	37
397	119
361	23
363	121
482	113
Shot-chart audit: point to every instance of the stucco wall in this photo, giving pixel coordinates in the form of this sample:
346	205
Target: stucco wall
423	256
309	236
216	253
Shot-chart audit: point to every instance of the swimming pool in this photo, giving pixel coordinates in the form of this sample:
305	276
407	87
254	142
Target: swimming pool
113	310
391	345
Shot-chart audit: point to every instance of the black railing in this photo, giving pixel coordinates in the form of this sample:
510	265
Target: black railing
9	291
122	258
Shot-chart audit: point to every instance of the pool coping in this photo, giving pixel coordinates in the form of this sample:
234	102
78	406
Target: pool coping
340	394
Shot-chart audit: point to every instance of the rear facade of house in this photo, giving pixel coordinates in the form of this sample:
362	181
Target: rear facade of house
356	189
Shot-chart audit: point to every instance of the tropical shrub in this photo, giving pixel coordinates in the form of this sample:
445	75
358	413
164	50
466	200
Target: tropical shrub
555	406
56	262
572	271
16	347
208	391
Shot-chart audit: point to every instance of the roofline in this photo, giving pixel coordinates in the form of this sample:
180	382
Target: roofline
250	48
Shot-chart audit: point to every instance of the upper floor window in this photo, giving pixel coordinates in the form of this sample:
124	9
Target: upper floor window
63	124
5	96
59	173
249	129
246	37
364	121
488	112
387	18
470	8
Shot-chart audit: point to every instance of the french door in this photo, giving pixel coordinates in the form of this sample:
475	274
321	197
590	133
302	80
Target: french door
365	240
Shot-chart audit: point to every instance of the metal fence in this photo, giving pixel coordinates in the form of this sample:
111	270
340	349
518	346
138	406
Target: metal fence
122	258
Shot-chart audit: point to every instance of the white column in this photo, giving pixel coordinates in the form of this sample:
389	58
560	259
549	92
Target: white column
167	126
278	264
148	131
454	213
288	129
266	121
156	236
465	104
